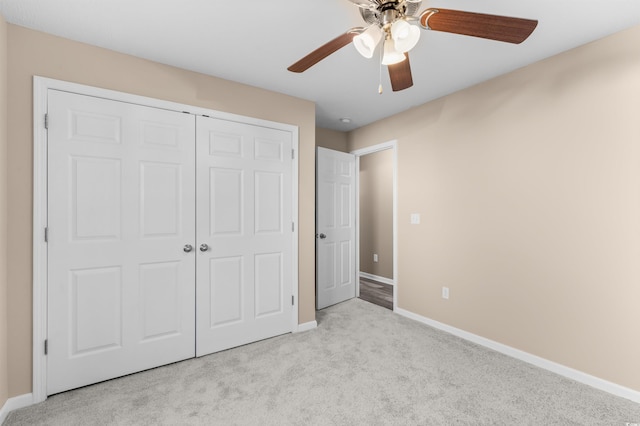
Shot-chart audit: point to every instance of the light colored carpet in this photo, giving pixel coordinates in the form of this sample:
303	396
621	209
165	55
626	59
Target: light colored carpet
364	365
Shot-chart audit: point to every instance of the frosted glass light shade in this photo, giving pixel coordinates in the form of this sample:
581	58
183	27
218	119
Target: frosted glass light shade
366	42
404	35
391	55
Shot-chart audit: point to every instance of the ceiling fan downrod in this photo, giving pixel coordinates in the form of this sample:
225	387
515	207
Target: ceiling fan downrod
389	12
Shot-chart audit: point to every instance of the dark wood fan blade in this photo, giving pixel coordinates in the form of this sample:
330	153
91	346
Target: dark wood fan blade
325	50
493	27
400	75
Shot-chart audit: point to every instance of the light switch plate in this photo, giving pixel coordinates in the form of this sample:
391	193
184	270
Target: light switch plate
415	218
445	292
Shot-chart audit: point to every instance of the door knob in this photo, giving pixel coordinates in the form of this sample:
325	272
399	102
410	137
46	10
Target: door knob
322	236
204	247
187	248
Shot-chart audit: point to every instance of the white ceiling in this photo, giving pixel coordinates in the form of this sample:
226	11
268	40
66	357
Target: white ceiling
254	41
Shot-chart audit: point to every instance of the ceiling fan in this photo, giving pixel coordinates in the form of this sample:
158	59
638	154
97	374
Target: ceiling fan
390	22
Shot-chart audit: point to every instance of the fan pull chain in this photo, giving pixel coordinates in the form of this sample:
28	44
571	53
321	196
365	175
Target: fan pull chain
380	74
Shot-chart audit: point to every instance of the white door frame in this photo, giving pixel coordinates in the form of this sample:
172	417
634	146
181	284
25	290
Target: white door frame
392	145
41	85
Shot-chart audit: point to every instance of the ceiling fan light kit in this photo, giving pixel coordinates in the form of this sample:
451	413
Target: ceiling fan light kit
367	42
389	20
391	54
405	35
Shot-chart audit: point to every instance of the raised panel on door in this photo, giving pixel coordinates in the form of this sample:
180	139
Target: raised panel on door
95	198
268	203
95	310
121	190
160	285
226	201
335	227
160	191
269	283
225	291
244	217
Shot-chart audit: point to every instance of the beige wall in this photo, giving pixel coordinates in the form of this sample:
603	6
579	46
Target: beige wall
34	53
332	139
528	190
4	381
376	213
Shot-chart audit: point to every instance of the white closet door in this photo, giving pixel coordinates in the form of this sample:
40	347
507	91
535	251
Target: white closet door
244	234
121	289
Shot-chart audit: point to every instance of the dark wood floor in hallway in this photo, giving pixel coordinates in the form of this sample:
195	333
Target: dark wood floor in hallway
376	292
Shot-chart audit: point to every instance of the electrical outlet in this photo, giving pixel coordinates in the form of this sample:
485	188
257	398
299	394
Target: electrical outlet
415	218
375	257
445	292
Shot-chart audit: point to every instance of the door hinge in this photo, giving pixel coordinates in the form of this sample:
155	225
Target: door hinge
46	121
293	227
293	154
46	347
46	234
292	300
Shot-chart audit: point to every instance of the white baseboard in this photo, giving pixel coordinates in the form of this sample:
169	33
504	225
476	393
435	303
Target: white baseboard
377	278
559	369
15	403
306	326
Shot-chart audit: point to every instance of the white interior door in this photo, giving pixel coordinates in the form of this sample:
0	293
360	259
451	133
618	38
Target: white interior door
244	234
121	289
335	227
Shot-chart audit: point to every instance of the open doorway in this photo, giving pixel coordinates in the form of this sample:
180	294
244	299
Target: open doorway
376	210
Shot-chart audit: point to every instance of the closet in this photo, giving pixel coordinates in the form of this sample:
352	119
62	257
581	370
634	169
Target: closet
169	236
